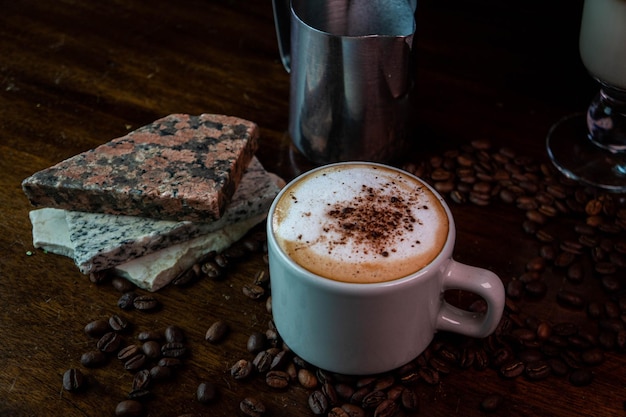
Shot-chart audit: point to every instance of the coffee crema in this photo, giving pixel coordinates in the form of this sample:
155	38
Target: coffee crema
360	223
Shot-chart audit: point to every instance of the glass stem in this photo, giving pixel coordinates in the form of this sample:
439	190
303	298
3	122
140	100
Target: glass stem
606	119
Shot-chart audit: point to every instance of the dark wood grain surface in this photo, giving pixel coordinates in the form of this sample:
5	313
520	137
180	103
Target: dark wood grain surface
74	75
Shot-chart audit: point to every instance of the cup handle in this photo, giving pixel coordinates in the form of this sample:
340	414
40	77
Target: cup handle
282	22
479	281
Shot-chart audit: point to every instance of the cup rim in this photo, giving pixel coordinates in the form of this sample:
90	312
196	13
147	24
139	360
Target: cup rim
436	263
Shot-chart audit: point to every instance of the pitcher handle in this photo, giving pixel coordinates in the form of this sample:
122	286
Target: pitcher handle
282	22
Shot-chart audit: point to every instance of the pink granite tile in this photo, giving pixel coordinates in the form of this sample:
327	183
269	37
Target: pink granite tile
180	167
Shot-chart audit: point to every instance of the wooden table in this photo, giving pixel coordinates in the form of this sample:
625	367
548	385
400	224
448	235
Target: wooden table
75	74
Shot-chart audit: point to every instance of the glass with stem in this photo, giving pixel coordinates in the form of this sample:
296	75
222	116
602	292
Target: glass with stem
591	147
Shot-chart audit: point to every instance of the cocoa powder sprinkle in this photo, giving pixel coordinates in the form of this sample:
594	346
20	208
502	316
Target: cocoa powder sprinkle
377	218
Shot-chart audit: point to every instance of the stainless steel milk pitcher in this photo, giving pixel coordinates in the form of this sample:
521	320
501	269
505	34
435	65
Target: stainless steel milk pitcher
350	76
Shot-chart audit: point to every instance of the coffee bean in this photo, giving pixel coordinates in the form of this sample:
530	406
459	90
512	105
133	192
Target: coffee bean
173	350
331	393
593	207
135	363
241	369
524	335
439	364
139	394
145	302
538	370
160	373
118	324
385	382
174	334
337	412
74	380
386	408
206	392
575	272
93	359
373	399
557	191
530	227
149	335
512	369
125	302
501	356
481	359
579	342
547	252
458	197
544	331
570	299
97	328
128	352
408	398
536	217
186	277
252	407
99	277
605	268
221	260
141	380
263	361
515	289
277	379
279	361
571	358
174	363
217	331
530	355
353	410
344	391
544	236
536	288
212	270
122	285
359	394
256	342
152	349
109	342
253	291
479	199
307	379
262	278
129	408
318	403
429	375
558	366
571	246
440	175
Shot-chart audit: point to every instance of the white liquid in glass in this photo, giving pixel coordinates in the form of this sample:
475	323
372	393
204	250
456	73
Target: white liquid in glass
603	40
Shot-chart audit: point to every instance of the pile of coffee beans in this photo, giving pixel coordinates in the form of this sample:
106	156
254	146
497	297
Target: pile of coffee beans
330	394
151	357
580	234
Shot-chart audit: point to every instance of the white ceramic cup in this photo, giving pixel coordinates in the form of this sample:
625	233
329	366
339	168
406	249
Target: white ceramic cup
367	328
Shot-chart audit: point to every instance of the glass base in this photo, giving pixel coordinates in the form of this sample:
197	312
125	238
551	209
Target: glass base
578	158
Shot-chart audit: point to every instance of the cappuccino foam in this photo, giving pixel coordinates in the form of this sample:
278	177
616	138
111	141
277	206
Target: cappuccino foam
360	223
